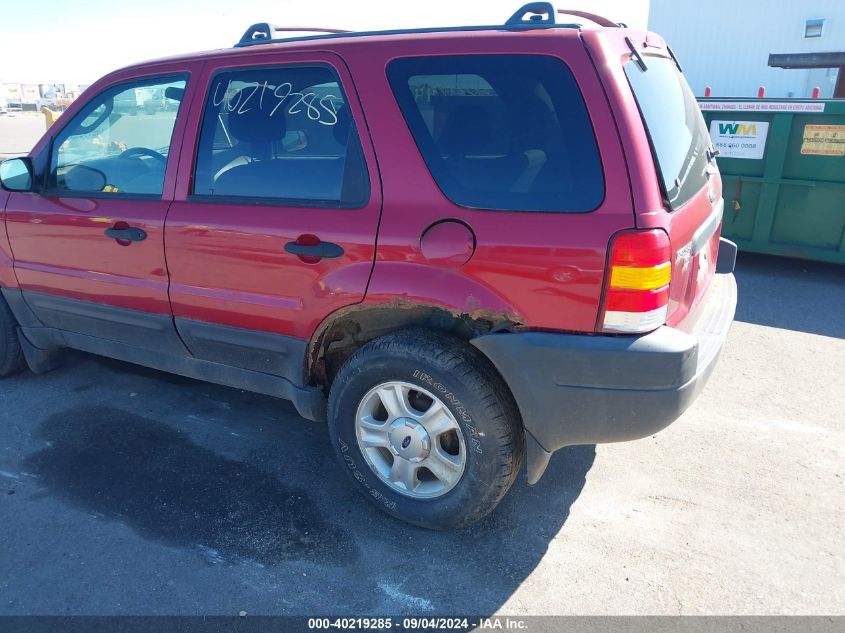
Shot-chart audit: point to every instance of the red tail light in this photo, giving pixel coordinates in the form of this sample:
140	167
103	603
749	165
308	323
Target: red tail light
636	293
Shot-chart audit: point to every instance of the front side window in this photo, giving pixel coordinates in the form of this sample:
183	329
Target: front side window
119	142
506	132
282	135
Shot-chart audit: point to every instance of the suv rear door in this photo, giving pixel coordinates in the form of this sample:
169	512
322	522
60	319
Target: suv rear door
521	123
276	212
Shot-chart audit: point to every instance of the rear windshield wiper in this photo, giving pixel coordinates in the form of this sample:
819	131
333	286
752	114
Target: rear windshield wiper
674	59
636	54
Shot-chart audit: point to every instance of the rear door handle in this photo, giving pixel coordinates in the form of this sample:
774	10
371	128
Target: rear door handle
321	250
130	234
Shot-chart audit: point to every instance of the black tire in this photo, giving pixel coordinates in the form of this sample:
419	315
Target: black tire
11	356
474	393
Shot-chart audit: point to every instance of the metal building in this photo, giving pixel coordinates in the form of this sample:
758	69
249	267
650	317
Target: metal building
727	44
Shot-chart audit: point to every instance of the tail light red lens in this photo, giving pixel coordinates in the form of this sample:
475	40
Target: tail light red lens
636	293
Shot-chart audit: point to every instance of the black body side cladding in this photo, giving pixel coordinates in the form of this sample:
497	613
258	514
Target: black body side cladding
48	324
309	401
247	349
726	260
578	389
23	315
536	458
40	360
133	327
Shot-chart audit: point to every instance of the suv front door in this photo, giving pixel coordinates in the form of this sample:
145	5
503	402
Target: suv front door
89	244
276	227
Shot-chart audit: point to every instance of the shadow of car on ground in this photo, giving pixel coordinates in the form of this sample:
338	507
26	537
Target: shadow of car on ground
792	294
221	475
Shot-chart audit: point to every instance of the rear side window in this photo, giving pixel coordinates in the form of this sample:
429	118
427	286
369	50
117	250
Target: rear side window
282	135
503	132
673	121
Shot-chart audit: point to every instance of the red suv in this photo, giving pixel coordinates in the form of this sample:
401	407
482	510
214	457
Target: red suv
464	248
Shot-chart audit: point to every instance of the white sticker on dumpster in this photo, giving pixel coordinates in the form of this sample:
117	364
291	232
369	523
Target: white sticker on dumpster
761	106
739	139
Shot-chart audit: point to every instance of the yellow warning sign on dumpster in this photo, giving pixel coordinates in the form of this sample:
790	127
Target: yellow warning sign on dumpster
824	140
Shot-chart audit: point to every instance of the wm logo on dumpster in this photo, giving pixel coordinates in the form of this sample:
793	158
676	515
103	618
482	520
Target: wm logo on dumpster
738	129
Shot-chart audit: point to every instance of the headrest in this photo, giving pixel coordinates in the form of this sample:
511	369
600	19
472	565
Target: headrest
172	92
530	124
468	130
535	112
257	125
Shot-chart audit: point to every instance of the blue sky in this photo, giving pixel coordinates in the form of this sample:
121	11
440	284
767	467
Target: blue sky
77	41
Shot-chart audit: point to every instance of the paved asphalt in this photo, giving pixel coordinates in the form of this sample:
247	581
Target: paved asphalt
128	491
19	132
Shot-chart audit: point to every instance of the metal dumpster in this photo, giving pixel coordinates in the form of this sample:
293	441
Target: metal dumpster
783	174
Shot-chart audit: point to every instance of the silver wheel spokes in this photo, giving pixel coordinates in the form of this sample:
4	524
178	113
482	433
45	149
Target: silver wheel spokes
410	439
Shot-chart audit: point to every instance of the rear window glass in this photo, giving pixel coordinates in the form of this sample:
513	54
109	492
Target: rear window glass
502	132
673	121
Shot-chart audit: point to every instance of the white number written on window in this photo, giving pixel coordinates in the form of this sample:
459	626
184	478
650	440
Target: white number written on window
276	99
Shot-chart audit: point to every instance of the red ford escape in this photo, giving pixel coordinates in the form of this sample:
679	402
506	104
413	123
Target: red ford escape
463	248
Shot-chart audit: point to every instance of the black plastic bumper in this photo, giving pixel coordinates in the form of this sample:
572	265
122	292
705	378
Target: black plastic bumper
577	389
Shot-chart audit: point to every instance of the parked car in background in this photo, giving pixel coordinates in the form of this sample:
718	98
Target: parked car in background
463	248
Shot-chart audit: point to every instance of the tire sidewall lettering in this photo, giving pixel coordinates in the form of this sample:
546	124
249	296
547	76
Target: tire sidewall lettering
457	406
360	478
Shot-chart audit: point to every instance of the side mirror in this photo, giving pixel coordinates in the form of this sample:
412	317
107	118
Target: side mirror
16	174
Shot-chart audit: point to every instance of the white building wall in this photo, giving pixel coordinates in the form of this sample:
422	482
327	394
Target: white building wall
725	44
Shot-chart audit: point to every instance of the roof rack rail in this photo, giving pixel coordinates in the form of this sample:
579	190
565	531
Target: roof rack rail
601	21
263	32
540	15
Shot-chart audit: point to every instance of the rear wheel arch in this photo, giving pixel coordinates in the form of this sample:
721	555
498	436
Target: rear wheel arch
346	330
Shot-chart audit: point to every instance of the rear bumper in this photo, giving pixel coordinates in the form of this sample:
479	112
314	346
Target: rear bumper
577	389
